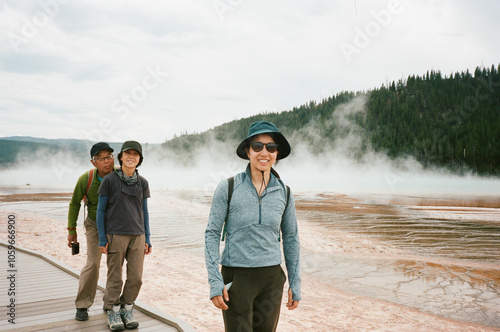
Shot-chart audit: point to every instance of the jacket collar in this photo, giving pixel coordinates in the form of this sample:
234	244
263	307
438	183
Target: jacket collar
273	181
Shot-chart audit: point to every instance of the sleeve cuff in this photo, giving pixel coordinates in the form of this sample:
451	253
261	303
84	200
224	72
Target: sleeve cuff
216	290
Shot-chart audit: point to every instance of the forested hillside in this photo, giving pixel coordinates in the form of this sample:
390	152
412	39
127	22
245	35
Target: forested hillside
445	121
10	148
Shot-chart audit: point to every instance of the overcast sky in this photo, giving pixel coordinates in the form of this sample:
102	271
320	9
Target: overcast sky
118	70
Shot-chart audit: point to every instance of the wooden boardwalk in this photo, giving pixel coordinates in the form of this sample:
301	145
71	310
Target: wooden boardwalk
44	298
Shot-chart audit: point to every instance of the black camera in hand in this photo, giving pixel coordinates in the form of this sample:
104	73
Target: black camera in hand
75	248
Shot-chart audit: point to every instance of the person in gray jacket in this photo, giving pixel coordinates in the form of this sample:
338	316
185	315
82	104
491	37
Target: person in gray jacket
249	286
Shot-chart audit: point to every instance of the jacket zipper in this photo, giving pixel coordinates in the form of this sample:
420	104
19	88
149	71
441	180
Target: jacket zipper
260	210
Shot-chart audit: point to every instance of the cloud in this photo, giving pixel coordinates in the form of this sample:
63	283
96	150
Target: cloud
225	62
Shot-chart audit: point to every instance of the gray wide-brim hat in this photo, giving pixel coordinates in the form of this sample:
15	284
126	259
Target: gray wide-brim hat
264	127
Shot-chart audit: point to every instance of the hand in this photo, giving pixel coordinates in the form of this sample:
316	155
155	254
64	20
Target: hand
218	301
104	250
72	239
291	304
148	249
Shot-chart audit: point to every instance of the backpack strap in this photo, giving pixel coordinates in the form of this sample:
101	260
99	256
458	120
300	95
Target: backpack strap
273	171
89	183
230	187
286	205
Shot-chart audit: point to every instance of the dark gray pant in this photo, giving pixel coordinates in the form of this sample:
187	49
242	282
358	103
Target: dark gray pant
254	298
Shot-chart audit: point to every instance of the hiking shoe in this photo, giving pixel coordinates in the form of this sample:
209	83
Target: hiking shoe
114	319
128	317
82	314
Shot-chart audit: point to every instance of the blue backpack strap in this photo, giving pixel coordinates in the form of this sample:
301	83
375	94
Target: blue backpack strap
230	187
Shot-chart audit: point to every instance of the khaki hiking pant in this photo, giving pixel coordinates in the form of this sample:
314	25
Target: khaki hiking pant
89	275
121	248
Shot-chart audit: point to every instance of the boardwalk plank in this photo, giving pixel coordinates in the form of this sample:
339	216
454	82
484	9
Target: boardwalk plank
45	293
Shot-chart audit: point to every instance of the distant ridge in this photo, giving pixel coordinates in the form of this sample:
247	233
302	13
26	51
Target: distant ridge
57	141
13	146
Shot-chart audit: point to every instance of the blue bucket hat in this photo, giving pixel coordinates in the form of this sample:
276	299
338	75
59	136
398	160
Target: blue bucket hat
264	127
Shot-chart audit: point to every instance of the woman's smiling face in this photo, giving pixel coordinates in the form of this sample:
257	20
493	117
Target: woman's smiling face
130	158
262	160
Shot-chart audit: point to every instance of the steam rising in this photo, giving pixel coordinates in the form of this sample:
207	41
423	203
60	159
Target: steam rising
346	167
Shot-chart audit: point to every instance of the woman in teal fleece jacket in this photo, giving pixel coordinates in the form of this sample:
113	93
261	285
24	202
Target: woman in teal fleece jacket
249	286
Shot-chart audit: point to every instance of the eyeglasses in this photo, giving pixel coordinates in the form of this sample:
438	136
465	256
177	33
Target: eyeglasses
101	159
270	147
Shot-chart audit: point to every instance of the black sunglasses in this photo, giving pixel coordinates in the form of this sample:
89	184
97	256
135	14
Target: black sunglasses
270	147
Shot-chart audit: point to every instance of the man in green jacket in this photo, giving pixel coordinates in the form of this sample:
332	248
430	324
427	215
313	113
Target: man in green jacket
86	190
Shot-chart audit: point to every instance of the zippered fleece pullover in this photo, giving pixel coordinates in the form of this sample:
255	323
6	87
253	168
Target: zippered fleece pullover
253	230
